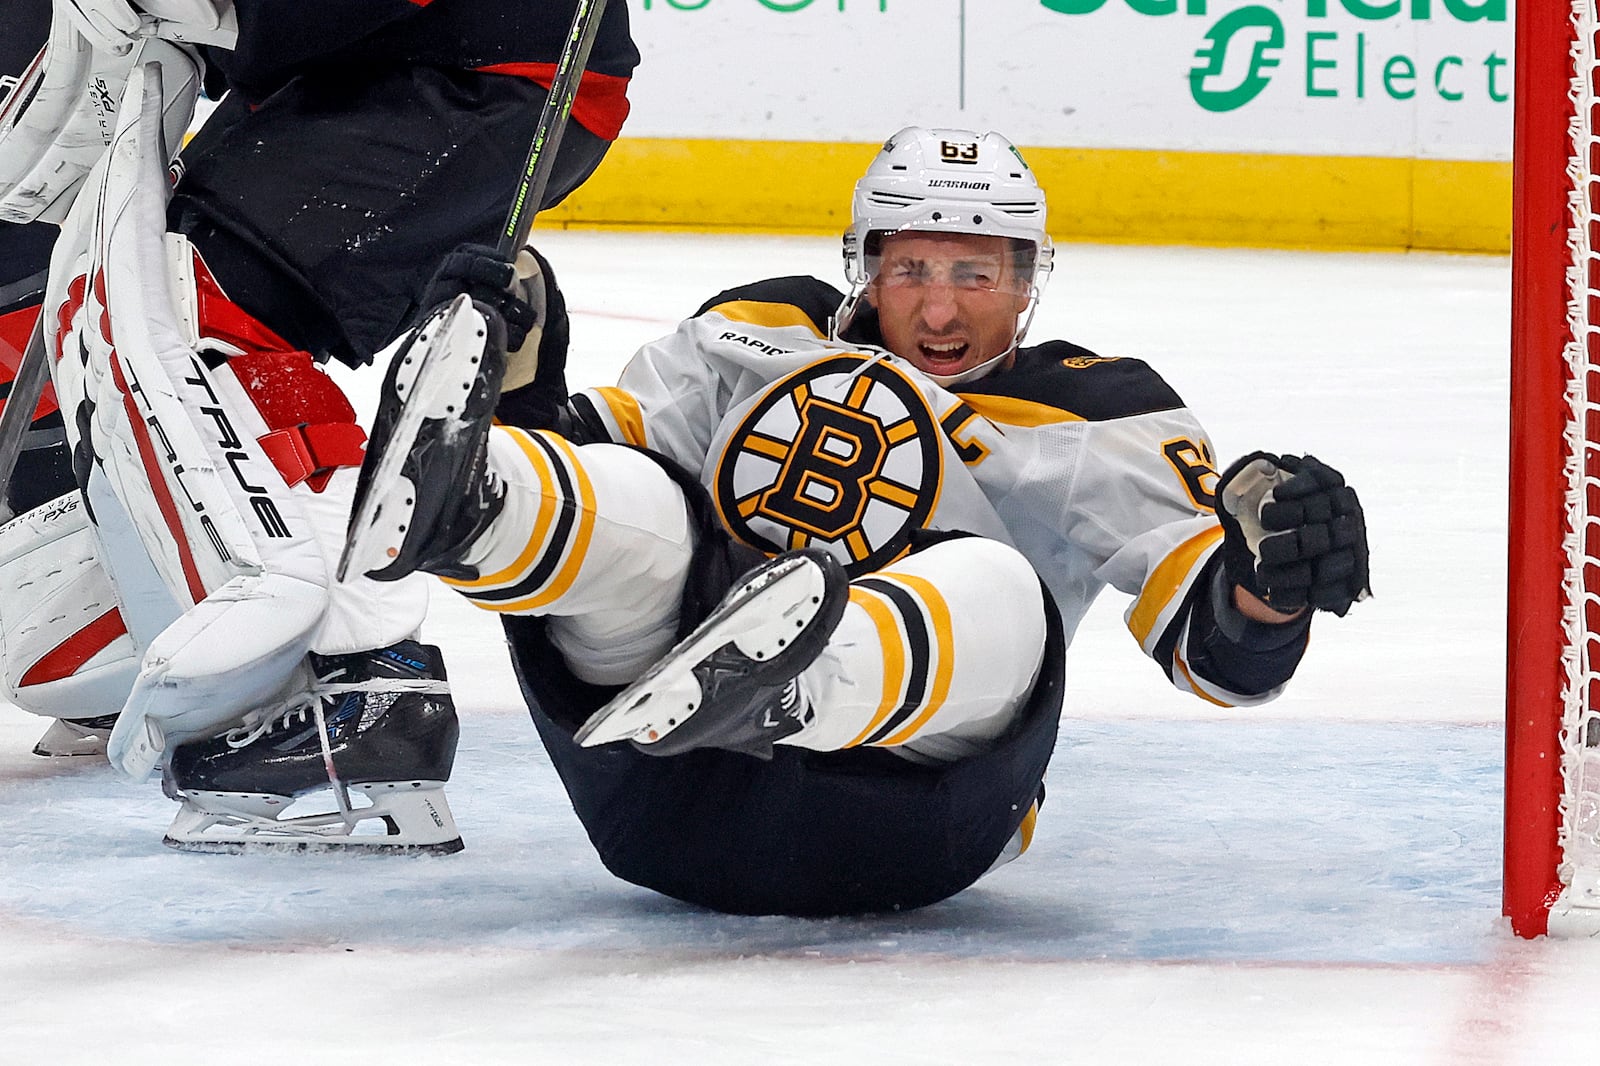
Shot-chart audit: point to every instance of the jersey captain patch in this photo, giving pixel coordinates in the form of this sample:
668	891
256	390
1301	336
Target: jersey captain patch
843	455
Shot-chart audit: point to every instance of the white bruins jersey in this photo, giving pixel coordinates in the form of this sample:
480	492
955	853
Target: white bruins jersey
1091	467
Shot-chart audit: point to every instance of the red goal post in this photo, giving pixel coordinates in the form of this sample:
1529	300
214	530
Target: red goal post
1552	810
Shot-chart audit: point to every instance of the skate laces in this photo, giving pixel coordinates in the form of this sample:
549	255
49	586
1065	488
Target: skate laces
306	704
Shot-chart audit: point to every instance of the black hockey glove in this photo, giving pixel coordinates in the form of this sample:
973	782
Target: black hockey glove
525	293
489	278
1294	533
536	390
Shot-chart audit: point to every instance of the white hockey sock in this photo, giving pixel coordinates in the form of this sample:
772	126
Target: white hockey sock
597	537
934	656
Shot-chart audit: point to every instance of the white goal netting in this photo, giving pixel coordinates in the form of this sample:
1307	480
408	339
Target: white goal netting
1579	829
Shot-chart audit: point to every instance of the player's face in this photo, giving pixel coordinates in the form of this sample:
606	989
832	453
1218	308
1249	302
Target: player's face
947	301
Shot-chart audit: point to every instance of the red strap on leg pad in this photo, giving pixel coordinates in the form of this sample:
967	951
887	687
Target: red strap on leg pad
312	453
313	429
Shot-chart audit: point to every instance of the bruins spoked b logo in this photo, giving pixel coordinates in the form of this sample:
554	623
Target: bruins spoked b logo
842	455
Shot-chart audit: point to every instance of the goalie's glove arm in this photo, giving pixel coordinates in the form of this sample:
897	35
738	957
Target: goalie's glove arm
115	26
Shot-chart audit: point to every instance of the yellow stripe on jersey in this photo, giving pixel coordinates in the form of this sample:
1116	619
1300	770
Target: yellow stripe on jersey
541	524
894	658
772	449
895	494
858	393
758	313
1025	830
1021	838
901	431
1010	411
944	653
625	412
1168	578
1183	668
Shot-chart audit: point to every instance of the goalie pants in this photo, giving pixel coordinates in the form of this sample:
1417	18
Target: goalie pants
324	209
936	700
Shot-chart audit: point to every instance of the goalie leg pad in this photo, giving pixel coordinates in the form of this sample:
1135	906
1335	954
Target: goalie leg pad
66	647
307	428
178	434
210	512
229	653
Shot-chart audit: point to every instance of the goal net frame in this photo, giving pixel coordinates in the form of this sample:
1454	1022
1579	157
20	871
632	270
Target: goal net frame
1552	809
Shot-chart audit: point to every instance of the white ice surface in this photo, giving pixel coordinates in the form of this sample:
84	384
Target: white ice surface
1313	882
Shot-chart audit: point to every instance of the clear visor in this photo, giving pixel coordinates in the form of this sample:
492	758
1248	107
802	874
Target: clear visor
995	267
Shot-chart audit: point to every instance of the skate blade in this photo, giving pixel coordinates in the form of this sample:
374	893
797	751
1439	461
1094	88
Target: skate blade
62	741
414	816
667	694
382	510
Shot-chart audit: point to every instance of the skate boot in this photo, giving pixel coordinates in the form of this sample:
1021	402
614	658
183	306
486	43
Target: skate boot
425	491
75	736
376	727
732	683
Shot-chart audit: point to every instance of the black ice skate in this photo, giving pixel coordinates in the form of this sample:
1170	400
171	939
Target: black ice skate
75	736
377	727
731	683
424	492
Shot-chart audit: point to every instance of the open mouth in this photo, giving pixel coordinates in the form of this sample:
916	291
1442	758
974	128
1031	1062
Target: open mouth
943	353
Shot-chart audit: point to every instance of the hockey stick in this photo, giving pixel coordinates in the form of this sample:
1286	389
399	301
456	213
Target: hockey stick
536	171
33	374
32	370
541	159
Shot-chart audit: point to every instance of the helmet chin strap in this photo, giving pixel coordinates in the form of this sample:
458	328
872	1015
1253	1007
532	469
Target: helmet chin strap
841	319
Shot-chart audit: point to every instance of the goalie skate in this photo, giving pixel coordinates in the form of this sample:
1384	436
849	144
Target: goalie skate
68	737
732	683
377	728
434	413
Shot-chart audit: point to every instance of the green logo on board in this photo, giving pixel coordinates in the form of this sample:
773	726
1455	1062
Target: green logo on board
1211	59
1242	51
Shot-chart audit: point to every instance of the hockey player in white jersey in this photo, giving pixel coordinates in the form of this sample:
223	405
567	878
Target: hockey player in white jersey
905	514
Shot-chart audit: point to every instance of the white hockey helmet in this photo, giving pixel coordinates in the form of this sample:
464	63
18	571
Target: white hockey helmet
946	181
